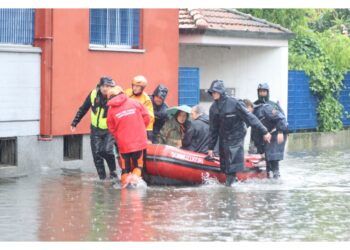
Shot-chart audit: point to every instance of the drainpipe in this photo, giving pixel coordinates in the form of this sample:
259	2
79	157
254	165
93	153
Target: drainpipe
44	40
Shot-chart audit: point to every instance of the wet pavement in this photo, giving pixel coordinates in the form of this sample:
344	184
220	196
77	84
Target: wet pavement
311	202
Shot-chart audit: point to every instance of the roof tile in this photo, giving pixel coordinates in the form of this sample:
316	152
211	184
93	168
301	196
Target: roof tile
224	19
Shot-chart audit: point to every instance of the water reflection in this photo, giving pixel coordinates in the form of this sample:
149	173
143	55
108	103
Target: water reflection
64	209
310	203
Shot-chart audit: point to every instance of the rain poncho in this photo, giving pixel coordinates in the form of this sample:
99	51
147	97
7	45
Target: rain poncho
275	122
227	122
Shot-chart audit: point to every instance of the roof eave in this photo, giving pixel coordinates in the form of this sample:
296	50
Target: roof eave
241	34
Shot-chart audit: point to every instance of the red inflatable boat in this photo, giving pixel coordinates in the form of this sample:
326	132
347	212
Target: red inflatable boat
167	165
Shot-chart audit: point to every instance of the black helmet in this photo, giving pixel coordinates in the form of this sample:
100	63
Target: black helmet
161	91
106	80
217	86
264	86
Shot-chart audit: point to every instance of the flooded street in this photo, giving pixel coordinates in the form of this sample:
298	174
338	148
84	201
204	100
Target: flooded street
310	203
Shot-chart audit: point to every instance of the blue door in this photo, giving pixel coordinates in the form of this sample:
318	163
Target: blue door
188	86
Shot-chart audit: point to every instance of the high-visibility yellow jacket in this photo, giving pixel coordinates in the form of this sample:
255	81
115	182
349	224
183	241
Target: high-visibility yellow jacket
145	100
99	117
99	108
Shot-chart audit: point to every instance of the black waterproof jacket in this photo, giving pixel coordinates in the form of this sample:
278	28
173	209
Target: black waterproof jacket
100	102
227	122
160	113
275	121
227	118
275	105
161	117
197	136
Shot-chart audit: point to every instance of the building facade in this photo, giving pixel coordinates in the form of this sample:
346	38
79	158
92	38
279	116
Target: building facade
237	48
52	58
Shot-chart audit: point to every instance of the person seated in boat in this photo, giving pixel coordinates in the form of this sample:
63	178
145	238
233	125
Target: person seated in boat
252	149
197	135
159	108
127	120
275	121
175	128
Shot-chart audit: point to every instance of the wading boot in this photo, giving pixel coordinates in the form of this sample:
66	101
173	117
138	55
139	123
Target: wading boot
276	172
268	169
124	180
113	176
230	179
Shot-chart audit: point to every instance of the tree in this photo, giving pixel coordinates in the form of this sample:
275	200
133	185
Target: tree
321	50
292	19
331	19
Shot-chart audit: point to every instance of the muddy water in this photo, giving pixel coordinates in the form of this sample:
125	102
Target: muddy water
311	202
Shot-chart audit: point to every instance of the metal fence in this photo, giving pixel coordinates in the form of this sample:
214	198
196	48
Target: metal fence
302	104
115	27
17	26
344	99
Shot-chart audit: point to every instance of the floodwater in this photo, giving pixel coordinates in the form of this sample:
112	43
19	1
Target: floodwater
310	203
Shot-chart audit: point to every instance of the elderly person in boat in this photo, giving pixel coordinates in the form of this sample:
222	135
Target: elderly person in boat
175	128
197	136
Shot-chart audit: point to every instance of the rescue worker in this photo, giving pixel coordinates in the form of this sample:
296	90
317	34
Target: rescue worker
197	135
263	92
127	121
137	93
174	129
101	140
159	108
264	97
276	123
227	118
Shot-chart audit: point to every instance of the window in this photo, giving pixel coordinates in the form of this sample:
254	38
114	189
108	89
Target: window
119	28
72	147
8	152
17	26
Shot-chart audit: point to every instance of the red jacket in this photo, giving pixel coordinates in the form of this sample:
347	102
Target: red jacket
127	121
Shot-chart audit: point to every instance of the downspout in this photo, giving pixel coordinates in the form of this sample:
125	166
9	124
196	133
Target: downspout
44	40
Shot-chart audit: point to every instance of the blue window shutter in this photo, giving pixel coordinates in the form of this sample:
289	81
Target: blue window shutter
188	86
124	25
17	26
112	26
98	25
136	28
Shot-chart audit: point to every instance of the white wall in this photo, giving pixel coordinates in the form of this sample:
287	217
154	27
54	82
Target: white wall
241	68
19	92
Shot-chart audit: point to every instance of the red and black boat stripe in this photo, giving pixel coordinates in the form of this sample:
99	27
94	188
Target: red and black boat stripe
193	165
